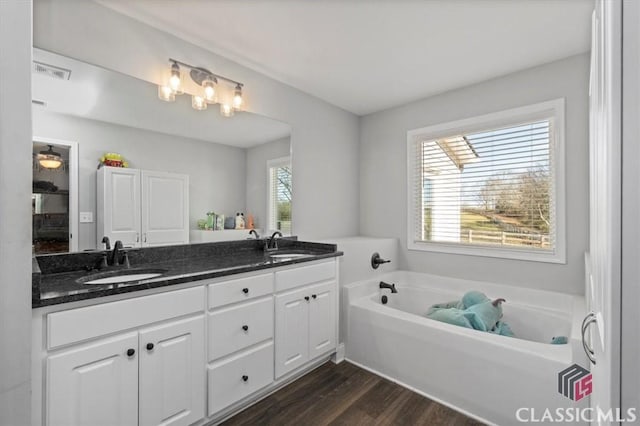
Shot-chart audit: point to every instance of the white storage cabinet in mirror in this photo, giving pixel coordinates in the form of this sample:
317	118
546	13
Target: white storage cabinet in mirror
142	208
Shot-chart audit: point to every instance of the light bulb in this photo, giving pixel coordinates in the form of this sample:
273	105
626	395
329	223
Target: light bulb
209	91
226	110
198	102
174	80
237	97
166	94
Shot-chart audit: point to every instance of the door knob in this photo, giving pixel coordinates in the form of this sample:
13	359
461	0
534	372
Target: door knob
245	327
306	298
245	290
149	346
245	378
131	352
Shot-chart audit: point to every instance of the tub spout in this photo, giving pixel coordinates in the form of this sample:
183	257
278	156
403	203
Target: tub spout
391	287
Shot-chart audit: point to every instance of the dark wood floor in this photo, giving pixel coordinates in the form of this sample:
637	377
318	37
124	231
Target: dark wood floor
344	394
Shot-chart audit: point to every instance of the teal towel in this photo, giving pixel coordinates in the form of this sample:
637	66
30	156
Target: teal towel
559	340
475	310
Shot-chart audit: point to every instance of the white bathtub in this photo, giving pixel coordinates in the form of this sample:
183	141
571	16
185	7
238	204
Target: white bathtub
486	376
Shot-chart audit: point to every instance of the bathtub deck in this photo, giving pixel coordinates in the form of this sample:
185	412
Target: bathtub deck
347	395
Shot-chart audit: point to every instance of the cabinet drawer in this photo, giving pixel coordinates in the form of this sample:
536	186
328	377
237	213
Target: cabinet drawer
227	333
226	380
232	291
305	275
90	322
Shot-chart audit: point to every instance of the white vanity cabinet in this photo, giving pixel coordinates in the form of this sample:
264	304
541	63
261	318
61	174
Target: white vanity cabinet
306	317
142	208
179	356
149	375
240	338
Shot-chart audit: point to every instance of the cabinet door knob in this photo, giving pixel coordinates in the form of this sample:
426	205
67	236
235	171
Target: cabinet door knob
245	327
306	298
314	296
149	346
131	352
245	290
245	378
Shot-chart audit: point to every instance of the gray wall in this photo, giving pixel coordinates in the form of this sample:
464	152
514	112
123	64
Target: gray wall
630	389
383	171
216	172
257	183
15	212
322	135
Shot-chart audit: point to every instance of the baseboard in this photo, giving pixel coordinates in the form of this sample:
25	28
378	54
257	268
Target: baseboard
339	356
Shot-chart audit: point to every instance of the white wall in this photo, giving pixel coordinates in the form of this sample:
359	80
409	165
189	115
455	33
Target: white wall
216	172
15	212
383	162
324	137
257	183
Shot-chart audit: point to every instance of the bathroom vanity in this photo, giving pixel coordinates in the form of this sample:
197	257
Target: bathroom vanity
225	325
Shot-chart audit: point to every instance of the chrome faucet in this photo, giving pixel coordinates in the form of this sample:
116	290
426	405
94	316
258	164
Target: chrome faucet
272	244
391	287
254	232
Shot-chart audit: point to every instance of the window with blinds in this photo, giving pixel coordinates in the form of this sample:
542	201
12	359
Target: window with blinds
279	195
492	190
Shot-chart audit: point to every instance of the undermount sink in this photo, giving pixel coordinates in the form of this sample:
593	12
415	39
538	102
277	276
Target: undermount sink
121	276
289	255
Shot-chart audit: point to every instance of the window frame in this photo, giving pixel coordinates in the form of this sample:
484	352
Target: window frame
275	162
553	110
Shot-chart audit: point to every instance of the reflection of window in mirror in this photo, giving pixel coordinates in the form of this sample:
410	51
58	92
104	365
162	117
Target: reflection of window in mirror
279	195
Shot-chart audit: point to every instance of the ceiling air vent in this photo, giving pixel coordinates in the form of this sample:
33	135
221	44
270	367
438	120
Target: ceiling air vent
51	71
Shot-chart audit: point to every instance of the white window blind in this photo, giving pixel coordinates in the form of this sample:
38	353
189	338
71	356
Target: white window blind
493	188
280	180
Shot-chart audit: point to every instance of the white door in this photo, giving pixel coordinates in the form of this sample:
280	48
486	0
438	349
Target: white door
292	328
601	328
119	206
165	208
172	373
322	319
94	384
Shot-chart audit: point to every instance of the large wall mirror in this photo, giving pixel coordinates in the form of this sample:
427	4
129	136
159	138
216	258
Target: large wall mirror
81	111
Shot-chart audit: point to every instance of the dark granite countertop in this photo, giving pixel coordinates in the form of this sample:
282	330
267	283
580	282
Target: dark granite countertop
55	278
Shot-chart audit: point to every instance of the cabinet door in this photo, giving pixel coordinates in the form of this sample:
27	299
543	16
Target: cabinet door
322	319
119	205
172	373
292	327
165	208
94	384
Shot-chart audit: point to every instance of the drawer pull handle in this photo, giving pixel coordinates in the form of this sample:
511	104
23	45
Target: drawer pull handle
245	290
245	327
306	298
149	346
245	378
131	352
314	296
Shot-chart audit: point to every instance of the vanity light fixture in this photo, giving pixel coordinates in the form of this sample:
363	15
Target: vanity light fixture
212	91
50	159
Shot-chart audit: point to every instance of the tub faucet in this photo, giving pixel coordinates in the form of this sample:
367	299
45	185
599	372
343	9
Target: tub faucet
391	287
